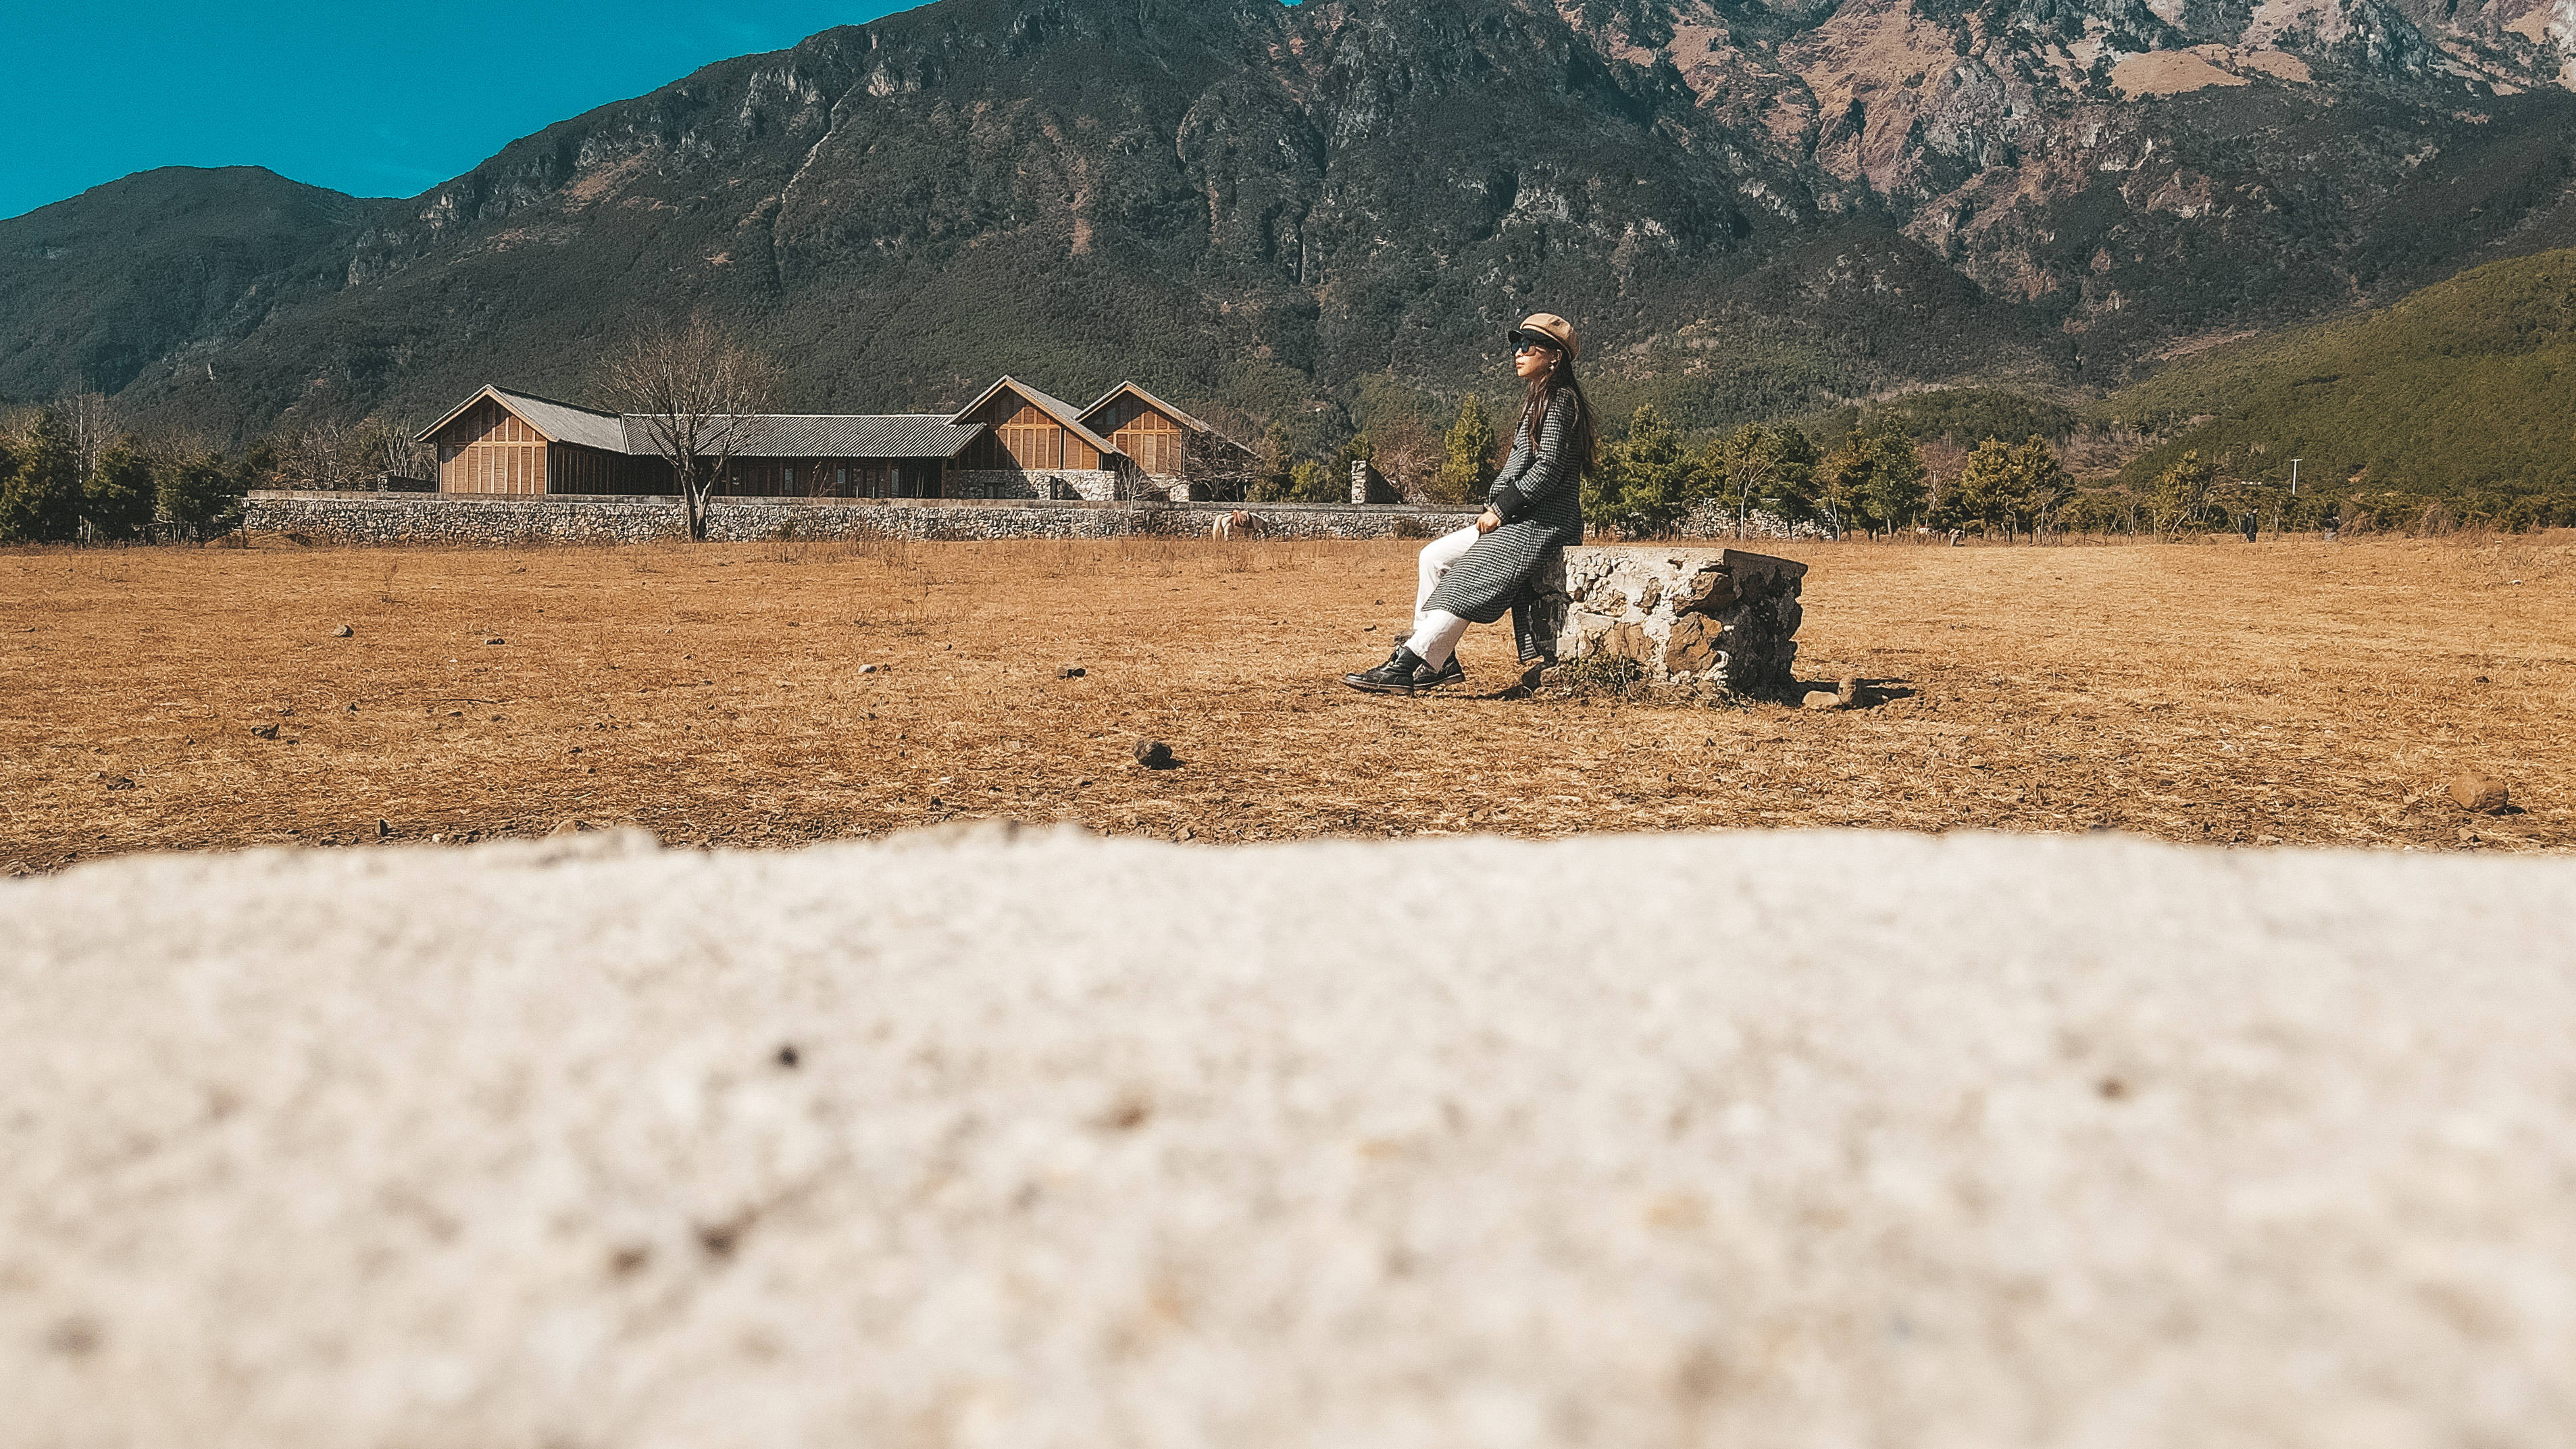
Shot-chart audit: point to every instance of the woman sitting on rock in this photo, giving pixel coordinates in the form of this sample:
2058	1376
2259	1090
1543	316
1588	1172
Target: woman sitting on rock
1533	510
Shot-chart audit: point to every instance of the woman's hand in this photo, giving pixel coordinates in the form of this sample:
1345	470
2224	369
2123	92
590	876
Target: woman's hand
1489	521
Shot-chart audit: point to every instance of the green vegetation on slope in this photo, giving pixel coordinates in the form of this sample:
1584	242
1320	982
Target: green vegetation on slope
95	289
2463	393
1966	416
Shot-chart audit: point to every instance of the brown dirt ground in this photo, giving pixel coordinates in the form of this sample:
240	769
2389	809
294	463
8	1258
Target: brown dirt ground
2300	692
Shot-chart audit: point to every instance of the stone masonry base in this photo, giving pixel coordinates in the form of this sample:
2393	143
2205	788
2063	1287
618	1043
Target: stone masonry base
1692	621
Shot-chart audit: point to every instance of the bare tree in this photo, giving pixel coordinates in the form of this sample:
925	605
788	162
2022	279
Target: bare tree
82	414
392	451
694	388
1222	470
327	453
1410	455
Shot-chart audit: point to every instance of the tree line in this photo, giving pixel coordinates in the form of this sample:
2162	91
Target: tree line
69	474
1846	472
1872	481
1654	480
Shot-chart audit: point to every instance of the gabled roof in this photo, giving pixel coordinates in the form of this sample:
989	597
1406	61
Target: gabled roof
765	435
556	422
1151	401
1175	414
832	435
1054	407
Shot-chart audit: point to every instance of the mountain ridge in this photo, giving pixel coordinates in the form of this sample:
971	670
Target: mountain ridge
1318	211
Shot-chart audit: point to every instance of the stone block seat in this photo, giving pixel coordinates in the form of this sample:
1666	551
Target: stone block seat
1694	620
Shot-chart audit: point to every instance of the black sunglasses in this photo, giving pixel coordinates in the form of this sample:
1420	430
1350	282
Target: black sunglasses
1528	342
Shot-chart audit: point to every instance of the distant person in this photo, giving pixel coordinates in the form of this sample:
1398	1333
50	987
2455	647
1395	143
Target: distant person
2253	526
1532	511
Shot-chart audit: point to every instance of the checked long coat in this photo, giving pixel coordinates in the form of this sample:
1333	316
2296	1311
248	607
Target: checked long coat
1540	500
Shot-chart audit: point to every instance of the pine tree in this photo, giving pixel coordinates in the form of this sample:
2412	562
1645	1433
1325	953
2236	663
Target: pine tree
1467	462
1646	481
1976	495
40	501
1874	480
2013	485
2181	495
2039	484
1761	466
118	500
198	491
1274	479
1893	494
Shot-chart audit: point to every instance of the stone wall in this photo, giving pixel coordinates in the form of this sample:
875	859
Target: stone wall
1699	618
375	518
1714	519
1054	485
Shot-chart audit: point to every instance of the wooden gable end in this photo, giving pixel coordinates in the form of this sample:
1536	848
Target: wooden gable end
1018	434
489	449
1155	439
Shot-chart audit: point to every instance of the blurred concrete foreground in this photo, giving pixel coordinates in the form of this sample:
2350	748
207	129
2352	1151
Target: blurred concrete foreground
1035	1140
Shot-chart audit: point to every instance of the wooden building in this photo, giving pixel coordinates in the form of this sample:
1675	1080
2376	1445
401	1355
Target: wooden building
1013	441
502	442
1037	445
1028	431
1167	443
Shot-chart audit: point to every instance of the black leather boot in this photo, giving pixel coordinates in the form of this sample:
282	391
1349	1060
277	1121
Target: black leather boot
1398	675
1429	678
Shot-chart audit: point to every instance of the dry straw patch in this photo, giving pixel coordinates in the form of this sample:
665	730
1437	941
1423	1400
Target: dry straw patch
2295	693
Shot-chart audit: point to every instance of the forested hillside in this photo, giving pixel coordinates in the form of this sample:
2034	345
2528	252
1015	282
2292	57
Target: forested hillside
94	292
2463	392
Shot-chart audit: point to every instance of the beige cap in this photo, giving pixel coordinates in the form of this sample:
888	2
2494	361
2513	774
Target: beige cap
1555	329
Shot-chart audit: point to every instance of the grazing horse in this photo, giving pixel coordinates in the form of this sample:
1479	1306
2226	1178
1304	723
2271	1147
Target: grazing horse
1240	524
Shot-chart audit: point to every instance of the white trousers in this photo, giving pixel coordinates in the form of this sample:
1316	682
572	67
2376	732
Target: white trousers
1436	632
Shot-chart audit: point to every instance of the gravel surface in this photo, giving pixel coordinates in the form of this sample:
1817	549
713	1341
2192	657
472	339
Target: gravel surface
977	1138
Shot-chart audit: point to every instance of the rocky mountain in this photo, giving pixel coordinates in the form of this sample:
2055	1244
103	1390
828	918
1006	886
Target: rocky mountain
1324	212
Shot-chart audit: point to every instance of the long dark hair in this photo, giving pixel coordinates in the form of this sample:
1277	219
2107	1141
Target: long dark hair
1543	389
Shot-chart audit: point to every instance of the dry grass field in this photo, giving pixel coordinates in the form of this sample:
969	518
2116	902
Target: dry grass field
2297	693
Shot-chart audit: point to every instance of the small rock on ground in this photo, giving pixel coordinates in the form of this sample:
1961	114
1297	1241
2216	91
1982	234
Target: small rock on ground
2471	790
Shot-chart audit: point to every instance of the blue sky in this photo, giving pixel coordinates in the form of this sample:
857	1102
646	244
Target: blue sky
369	98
